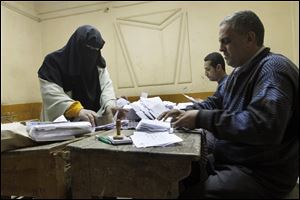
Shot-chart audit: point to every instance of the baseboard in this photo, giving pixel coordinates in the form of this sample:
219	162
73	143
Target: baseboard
20	112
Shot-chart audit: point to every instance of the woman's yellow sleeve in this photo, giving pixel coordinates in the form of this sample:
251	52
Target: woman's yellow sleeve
73	110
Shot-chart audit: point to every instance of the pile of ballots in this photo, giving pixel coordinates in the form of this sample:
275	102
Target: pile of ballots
147	125
145	108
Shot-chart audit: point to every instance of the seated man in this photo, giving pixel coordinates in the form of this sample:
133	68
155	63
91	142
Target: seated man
214	66
255	119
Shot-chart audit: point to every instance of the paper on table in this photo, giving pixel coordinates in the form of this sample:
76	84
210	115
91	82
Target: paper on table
143	139
140	110
148	125
58	131
131	114
155	105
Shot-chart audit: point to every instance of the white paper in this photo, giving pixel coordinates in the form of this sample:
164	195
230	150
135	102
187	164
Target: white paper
58	131
148	108
60	119
144	94
147	125
155	105
140	110
143	139
121	102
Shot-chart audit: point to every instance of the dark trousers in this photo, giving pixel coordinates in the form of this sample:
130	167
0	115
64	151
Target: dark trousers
222	181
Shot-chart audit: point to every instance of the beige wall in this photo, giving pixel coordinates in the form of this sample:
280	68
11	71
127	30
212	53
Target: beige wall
21	55
156	47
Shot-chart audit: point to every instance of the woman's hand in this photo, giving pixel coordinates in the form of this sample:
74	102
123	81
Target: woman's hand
88	115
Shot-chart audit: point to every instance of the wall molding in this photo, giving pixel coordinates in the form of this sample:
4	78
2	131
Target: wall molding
20	11
153	22
104	6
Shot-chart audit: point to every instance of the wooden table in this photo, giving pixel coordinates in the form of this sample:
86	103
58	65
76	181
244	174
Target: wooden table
104	170
40	171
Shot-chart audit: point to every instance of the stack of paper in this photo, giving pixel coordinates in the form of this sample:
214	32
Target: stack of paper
142	139
55	131
149	108
154	105
147	125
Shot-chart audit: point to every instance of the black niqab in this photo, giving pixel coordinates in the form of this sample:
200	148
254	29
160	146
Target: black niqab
74	67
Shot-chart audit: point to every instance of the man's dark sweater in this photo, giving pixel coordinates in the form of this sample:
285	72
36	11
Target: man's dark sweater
256	120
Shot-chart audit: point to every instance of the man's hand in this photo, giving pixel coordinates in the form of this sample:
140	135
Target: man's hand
88	115
187	120
174	113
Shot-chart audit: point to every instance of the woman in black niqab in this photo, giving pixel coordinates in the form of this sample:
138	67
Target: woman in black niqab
74	67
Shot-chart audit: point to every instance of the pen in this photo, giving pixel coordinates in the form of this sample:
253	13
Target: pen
103	139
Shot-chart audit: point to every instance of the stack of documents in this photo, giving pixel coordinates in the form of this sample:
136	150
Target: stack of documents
149	108
142	139
147	125
55	131
151	133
